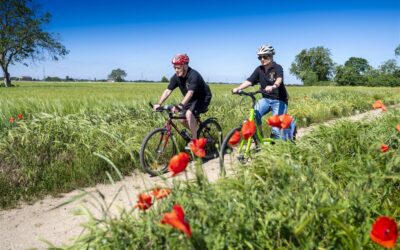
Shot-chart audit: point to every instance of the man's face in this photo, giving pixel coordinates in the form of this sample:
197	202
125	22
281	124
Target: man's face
180	70
265	59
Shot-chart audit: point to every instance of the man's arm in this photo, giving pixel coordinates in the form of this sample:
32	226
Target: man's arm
276	85
244	85
163	97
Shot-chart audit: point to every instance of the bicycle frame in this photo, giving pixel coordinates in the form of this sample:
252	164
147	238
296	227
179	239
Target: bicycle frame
258	135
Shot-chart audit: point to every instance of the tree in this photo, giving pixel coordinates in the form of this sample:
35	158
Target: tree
117	75
397	50
389	67
353	72
22	36
164	79
317	60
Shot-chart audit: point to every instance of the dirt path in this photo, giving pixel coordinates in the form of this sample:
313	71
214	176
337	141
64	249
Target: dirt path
23	227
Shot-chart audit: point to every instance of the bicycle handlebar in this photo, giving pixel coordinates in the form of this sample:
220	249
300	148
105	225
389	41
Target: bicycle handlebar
167	108
252	94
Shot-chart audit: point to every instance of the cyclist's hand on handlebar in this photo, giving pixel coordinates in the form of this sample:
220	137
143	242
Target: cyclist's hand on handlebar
235	90
175	109
268	89
156	106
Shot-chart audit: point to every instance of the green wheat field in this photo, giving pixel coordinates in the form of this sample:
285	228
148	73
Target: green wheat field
322	192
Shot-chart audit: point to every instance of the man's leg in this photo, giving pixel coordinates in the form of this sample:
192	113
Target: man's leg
262	107
192	123
278	108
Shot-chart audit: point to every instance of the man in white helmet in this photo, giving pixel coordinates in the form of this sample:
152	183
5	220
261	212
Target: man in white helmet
270	76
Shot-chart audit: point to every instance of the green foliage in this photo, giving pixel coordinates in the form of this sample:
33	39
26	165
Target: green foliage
22	35
117	75
164	79
397	50
324	192
309	77
357	71
52	148
317	60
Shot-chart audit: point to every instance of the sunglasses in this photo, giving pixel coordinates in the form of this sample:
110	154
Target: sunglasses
264	57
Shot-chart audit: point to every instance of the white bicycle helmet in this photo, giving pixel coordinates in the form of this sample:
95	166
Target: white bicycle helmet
266	50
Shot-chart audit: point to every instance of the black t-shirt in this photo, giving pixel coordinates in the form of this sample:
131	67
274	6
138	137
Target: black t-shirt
267	77
192	81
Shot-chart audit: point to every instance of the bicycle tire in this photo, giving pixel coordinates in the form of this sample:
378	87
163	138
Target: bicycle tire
212	131
156	151
233	155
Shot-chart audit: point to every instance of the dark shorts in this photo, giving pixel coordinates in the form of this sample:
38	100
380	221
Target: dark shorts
197	106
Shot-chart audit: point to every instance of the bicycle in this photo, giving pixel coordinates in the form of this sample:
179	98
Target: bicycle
245	150
160	145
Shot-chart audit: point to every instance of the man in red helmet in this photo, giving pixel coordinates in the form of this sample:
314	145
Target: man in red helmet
197	94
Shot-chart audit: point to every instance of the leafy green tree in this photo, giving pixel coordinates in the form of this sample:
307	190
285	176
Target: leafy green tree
164	79
22	36
389	67
397	50
353	72
117	75
317	60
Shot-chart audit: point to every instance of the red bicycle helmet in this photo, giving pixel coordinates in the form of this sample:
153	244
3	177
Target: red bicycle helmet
180	59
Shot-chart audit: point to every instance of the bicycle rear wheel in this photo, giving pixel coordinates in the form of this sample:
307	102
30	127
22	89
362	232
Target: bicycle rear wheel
238	154
211	130
157	149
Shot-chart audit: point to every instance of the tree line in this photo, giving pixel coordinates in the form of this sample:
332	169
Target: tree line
22	38
315	67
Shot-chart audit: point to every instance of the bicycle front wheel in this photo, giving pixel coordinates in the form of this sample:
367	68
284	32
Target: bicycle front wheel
157	149
211	130
240	153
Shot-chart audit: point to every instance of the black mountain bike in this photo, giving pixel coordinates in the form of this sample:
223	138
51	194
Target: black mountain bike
160	145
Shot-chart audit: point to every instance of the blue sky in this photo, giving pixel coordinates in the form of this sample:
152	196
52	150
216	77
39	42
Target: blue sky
220	37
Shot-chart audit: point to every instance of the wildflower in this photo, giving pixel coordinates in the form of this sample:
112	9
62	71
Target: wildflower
178	163
384	148
398	127
274	121
384	232
176	219
20	116
286	120
12	119
160	193
235	138
378	104
248	129
144	201
197	147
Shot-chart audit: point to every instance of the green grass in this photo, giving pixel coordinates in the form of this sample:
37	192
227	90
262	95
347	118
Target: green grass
324	192
52	149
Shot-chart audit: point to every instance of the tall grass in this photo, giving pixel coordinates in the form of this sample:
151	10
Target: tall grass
52	148
324	192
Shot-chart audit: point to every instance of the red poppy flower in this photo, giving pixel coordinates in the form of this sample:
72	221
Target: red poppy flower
398	127
20	116
178	163
378	104
274	121
176	219
384	232
248	129
197	147
384	148
286	120
160	193
12	119
235	138
144	201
